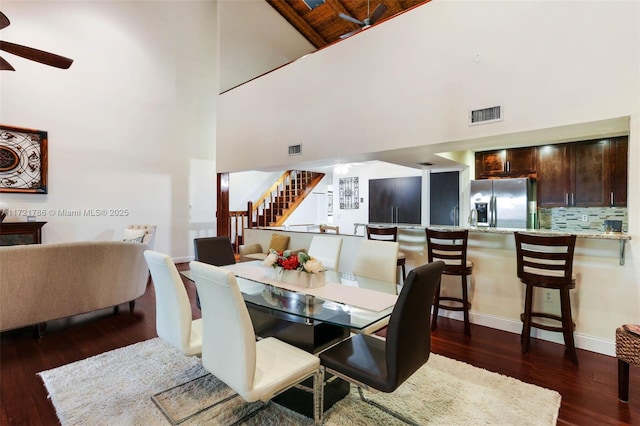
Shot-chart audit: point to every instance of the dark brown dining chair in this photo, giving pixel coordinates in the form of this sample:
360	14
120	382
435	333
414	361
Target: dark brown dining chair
388	234
547	262
371	362
217	251
451	248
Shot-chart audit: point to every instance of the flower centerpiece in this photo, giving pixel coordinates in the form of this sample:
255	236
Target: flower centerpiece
296	267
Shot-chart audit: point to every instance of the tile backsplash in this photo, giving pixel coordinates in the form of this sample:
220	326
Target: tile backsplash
572	218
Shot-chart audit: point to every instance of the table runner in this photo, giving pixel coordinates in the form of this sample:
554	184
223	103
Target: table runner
336	292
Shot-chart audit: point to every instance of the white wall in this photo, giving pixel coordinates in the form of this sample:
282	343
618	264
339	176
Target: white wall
254	39
411	81
131	124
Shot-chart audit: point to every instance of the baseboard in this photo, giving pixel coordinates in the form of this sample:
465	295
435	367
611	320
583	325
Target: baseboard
582	341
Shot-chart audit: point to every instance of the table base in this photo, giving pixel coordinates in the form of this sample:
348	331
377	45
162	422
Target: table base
313	337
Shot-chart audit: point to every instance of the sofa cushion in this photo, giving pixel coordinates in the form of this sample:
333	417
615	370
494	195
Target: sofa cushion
279	242
256	256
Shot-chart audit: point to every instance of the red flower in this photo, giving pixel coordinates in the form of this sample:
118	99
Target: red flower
290	263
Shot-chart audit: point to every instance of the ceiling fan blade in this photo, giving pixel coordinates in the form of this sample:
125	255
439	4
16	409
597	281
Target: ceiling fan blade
4	21
350	19
5	66
377	13
349	34
36	55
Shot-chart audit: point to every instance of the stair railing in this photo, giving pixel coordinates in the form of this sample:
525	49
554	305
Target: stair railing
271	204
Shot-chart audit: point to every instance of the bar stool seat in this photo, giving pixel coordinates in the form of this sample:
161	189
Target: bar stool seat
389	234
547	262
451	248
627	352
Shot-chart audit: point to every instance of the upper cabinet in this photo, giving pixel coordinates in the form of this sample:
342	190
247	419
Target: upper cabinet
553	170
618	171
583	174
506	163
578	174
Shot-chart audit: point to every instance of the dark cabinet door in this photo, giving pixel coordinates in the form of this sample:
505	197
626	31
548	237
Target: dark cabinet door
618	153
591	179
444	191
521	162
395	200
583	174
553	168
490	163
409	200
381	200
506	163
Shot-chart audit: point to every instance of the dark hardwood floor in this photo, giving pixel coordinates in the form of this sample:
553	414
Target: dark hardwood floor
589	391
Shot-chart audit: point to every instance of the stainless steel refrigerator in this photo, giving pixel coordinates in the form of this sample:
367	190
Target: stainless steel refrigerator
504	203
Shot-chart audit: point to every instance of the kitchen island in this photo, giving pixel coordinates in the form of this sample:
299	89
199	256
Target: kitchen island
606	294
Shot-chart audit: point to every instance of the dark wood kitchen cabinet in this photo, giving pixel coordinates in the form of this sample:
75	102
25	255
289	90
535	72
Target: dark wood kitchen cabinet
506	163
553	170
583	174
395	200
619	155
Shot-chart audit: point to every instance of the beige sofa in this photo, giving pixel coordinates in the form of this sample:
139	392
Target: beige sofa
259	251
43	282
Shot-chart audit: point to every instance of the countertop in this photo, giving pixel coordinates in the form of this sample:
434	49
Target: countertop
489	230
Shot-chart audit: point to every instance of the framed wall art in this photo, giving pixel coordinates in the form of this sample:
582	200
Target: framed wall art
349	193
23	160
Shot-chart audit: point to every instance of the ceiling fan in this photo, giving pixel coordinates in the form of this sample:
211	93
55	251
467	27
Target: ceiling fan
29	52
371	18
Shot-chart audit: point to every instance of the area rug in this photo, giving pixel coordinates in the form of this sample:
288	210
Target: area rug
116	387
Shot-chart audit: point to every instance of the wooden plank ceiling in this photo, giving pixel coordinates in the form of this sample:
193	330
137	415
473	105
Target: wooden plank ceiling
322	25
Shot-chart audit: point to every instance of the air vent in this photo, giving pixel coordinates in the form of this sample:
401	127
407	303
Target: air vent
295	149
485	115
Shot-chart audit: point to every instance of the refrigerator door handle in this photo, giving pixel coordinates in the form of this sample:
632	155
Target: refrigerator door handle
492	211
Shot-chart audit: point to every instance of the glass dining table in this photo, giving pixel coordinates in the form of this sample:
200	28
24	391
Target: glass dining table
347	303
311	319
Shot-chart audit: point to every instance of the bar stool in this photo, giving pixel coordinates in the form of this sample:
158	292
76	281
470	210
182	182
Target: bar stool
451	247
547	262
627	352
388	234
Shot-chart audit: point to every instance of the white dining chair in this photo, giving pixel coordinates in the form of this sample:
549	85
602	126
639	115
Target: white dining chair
256	371
174	322
327	250
378	260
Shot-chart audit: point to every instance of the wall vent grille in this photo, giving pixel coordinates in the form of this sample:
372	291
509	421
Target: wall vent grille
295	149
485	115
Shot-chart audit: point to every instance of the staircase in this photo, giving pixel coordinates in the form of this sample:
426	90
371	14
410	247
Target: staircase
277	203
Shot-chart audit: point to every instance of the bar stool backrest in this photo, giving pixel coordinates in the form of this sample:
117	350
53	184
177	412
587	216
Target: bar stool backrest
545	260
382	233
451	248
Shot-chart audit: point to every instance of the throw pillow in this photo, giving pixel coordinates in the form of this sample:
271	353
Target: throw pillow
279	242
133	235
